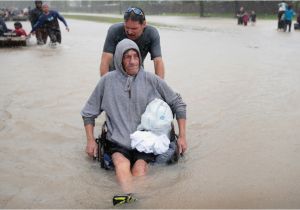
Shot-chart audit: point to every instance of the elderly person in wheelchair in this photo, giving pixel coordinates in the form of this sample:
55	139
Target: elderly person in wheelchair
124	95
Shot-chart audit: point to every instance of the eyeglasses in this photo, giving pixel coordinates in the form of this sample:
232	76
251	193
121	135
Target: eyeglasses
136	11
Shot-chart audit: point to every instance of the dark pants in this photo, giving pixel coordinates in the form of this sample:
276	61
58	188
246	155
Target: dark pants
240	20
54	34
280	21
287	23
41	35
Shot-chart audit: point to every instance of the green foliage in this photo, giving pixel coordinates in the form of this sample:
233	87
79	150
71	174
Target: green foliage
107	19
94	18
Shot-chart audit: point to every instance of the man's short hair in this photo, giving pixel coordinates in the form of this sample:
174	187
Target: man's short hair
135	14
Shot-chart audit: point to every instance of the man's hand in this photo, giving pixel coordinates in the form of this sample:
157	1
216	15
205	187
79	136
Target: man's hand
67	28
91	148
182	145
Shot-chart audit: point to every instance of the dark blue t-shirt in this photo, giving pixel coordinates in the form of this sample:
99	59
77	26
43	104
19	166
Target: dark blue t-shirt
149	41
49	20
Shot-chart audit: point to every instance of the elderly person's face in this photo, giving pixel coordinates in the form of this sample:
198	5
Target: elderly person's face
131	62
45	8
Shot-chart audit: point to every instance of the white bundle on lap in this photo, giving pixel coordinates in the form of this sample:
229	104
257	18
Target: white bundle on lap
148	142
157	117
153	132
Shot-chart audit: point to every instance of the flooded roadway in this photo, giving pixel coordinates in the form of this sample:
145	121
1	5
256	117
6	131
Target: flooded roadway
242	87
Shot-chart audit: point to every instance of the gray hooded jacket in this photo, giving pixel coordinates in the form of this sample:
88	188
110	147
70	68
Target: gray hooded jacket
124	98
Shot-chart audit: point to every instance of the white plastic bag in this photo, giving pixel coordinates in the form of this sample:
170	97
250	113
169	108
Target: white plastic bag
148	142
157	118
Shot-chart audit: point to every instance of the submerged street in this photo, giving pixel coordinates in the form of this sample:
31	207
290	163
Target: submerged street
242	89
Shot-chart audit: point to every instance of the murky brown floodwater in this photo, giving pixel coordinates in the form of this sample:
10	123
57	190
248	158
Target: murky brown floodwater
242	87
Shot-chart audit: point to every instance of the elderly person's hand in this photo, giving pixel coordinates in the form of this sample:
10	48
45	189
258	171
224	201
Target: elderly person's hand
182	145
91	148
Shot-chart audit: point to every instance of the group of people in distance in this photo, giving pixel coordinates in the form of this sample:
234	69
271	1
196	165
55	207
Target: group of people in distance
285	16
44	23
19	31
243	17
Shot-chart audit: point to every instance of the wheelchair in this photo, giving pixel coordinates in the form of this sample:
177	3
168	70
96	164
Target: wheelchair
170	157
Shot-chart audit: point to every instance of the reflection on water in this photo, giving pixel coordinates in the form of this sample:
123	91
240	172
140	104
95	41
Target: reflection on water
242	88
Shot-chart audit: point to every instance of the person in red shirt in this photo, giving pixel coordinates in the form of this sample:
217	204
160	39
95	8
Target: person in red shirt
245	18
19	30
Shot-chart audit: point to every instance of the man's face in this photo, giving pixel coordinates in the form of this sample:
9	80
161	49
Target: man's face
38	5
45	8
134	29
131	62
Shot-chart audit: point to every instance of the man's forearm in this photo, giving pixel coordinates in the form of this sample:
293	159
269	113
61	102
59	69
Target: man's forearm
103	68
91	145
182	127
89	130
159	67
182	144
106	59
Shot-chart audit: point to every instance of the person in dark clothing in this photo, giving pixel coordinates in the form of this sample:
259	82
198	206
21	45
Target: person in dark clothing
297	25
49	20
34	14
281	10
134	28
253	18
240	15
3	27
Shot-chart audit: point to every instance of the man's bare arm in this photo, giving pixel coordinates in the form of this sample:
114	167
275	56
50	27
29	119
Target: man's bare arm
159	67
182	144
91	145
106	60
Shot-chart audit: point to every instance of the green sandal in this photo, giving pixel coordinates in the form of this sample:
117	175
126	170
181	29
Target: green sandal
122	199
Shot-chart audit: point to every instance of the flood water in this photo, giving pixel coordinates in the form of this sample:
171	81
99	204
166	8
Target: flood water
242	88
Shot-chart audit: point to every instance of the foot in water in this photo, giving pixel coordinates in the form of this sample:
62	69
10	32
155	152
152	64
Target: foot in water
122	199
52	44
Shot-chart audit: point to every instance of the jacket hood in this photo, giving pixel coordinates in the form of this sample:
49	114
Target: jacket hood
122	47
